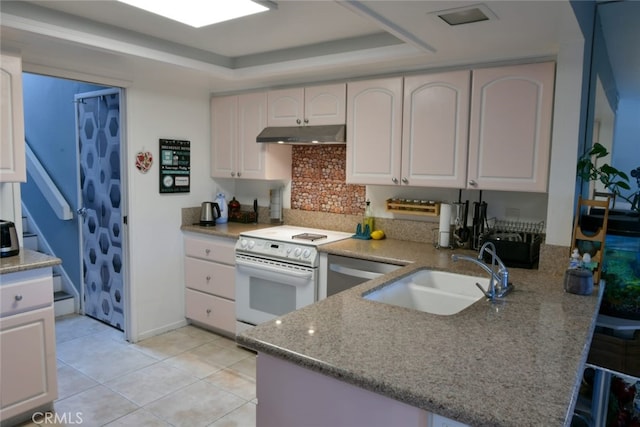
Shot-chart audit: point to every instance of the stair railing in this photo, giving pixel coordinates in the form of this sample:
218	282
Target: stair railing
46	186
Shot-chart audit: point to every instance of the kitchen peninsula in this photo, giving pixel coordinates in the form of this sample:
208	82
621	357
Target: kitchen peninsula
516	363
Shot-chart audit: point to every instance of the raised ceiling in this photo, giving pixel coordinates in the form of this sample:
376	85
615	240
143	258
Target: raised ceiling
299	41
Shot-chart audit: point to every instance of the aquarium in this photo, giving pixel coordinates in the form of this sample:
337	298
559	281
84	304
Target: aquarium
621	272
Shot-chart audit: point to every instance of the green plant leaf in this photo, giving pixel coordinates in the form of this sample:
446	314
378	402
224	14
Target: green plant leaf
598	150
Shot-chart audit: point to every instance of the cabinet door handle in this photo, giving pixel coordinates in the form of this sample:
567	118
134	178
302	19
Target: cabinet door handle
208	279
473	183
233	174
405	181
239	174
18	297
395	180
306	121
208	311
207	251
298	121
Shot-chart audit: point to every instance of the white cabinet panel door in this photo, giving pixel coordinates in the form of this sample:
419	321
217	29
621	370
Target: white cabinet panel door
286	107
435	129
224	128
510	129
374	131
325	105
12	160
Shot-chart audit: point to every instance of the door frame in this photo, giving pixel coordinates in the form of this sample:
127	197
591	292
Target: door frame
124	207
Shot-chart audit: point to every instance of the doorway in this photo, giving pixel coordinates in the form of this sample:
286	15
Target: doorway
52	127
99	196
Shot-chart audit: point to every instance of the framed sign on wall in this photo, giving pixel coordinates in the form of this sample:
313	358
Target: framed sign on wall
175	166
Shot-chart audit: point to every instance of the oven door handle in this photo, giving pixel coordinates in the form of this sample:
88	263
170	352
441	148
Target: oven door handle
273	271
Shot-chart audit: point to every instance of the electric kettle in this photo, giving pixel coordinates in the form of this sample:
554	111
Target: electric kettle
10	244
209	211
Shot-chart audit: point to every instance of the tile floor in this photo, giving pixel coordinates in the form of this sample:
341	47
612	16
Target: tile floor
187	377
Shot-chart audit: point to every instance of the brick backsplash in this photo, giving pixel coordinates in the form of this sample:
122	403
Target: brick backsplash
318	181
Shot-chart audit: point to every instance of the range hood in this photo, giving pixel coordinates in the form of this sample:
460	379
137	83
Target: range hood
304	135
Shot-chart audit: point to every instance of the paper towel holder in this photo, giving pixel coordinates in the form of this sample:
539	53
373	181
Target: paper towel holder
437	238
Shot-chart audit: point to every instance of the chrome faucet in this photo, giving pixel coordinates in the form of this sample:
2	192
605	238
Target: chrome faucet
499	285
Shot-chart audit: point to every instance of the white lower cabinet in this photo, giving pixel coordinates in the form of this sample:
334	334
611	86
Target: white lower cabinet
305	395
27	344
209	271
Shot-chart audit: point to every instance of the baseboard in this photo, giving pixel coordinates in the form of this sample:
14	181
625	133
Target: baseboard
162	330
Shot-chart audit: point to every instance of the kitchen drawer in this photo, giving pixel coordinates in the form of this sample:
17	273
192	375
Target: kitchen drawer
25	291
209	310
210	277
213	249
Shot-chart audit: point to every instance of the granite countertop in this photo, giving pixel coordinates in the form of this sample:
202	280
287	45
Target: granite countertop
229	229
517	363
27	260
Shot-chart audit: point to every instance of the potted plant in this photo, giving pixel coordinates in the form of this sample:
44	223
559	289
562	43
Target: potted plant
613	179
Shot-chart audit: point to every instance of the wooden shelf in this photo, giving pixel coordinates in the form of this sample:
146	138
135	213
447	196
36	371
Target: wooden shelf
413	207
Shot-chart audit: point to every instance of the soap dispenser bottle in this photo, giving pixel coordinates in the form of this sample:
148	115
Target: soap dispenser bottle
367	223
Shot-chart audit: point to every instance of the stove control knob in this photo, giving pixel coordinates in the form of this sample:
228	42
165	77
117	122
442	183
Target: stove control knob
306	253
297	252
251	244
243	243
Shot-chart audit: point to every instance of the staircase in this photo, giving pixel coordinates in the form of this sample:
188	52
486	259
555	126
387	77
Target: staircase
64	301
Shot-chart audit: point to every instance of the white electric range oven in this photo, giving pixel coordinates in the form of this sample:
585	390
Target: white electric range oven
277	271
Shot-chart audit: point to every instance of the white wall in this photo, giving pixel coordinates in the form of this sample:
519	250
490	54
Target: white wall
154	111
564	147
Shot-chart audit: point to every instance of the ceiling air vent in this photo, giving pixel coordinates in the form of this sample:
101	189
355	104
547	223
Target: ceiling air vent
465	15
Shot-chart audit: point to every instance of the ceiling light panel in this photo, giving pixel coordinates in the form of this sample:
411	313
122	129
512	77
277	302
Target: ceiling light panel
198	13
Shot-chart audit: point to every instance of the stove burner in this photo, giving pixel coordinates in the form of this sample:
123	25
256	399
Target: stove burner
309	236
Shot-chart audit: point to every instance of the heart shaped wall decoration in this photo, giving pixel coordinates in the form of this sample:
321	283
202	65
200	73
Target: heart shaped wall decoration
144	160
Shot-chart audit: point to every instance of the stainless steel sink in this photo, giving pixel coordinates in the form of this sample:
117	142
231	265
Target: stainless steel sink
431	291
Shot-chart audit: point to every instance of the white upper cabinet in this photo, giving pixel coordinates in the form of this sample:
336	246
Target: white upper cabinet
409	134
12	158
510	127
491	131
236	121
374	131
224	129
314	105
435	124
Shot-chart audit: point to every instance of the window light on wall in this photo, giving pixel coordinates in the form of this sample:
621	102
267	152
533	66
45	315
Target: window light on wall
199	13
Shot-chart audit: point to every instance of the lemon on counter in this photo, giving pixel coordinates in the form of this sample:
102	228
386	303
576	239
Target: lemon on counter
377	234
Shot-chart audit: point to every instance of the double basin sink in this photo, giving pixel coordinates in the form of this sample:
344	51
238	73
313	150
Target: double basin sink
431	291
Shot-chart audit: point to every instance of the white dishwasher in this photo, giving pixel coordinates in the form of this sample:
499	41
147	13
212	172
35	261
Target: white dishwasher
343	273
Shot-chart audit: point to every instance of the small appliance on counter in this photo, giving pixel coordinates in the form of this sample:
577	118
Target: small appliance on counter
236	214
209	212
10	244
